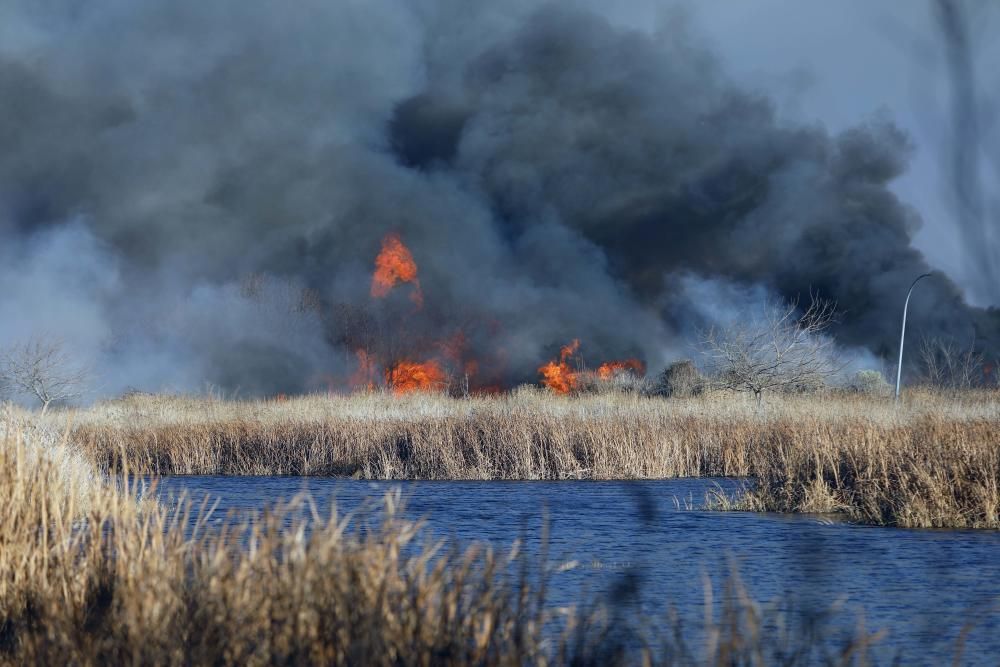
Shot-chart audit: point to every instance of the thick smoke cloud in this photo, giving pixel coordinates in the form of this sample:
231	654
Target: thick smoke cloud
193	193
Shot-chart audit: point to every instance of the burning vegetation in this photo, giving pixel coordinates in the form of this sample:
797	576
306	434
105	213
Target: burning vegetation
364	376
568	373
398	348
391	355
609	369
395	265
407	376
560	376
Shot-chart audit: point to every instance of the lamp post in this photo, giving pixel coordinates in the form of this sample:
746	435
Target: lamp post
902	336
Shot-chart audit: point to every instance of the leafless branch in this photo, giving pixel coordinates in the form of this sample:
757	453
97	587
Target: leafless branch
948	365
42	368
779	350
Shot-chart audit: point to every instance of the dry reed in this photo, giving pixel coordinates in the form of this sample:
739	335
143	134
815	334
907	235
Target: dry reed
92	576
932	461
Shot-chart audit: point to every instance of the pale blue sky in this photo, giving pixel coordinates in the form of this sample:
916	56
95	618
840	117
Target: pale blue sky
838	62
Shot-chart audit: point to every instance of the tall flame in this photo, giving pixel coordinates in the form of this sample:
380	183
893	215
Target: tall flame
394	265
447	360
559	376
609	369
407	376
364	376
453	351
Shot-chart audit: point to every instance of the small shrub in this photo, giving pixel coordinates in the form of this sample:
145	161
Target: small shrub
871	383
681	379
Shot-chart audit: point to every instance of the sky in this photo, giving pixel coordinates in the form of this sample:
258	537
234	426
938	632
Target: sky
838	63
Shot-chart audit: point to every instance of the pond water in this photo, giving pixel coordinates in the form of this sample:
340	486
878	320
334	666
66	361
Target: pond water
923	586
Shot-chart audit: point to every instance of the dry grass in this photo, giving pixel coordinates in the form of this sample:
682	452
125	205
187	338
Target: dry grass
931	471
932	461
527	435
90	576
69	477
118	583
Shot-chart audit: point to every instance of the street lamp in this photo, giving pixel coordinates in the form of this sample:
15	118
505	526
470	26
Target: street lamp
902	336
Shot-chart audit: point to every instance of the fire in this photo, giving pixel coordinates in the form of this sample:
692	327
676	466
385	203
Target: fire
558	376
453	348
453	351
407	376
609	369
447	362
395	265
563	378
364	376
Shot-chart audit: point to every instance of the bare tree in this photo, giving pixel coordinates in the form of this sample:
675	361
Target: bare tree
44	369
947	365
778	350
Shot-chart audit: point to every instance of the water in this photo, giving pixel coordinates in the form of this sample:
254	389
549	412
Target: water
923	586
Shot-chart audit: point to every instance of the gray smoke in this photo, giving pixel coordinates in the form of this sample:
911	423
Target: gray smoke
194	193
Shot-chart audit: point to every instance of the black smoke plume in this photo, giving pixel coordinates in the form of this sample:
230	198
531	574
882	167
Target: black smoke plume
193	193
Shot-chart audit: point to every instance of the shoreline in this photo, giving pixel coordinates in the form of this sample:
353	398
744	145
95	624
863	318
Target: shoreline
930	462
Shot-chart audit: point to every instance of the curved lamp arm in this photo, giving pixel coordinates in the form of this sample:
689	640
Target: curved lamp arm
902	336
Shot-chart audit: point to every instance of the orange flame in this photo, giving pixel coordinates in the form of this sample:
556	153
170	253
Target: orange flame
394	265
453	353
609	369
558	376
364	376
407	376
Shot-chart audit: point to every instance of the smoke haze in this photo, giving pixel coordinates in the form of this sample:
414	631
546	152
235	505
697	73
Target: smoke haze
194	193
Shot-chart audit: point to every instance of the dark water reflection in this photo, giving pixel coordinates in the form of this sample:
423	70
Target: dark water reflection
923	586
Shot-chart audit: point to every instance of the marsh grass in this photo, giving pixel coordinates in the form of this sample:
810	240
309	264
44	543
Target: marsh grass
931	461
90	575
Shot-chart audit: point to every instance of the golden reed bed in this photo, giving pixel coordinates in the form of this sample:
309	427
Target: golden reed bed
931	461
91	575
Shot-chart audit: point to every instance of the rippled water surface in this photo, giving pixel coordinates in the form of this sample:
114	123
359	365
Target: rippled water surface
923	586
